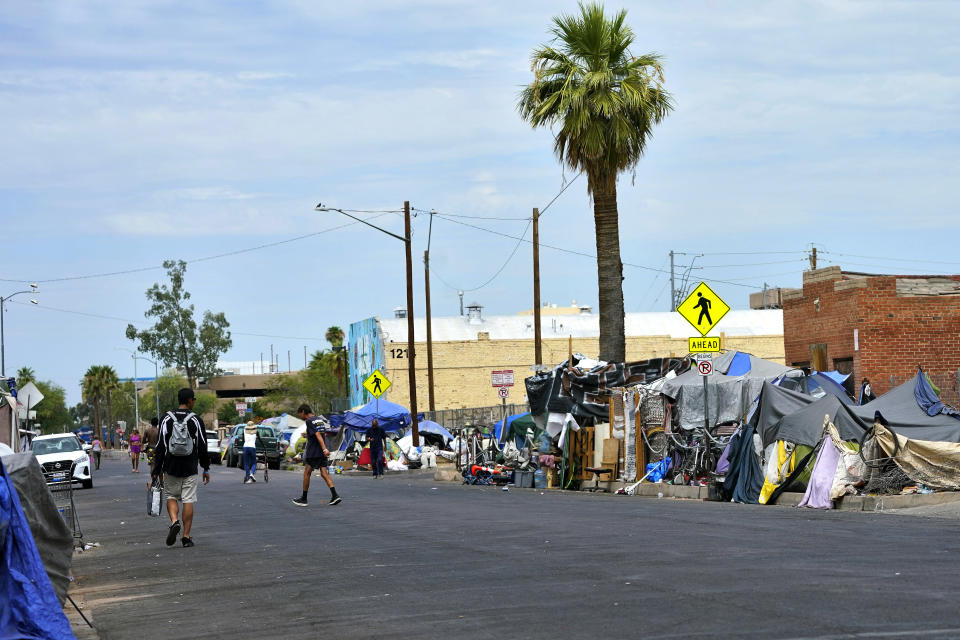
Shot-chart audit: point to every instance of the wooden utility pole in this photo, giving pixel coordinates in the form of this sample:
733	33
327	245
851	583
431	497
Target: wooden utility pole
813	258
426	289
537	343
411	352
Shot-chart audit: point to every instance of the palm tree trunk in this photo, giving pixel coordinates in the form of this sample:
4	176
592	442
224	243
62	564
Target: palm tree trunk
609	270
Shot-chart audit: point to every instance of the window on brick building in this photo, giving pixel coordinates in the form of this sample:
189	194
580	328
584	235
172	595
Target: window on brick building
845	366
818	356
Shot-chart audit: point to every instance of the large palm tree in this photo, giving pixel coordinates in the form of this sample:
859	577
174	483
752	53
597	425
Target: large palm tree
602	103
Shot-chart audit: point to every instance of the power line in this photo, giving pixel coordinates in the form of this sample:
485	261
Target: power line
499	271
141	322
203	259
748	253
560	193
520	240
750	264
577	253
887	258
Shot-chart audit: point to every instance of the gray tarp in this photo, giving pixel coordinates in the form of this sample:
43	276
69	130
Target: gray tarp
53	538
785	416
730	396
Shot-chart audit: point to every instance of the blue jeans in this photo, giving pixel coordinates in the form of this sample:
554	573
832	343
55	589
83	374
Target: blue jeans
249	461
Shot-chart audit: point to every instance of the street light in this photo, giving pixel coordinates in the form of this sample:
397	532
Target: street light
3	300
411	370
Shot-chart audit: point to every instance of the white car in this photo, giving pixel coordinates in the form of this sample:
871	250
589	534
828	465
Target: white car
213	447
64	457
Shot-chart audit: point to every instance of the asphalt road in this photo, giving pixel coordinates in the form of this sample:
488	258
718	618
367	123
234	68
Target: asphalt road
409	557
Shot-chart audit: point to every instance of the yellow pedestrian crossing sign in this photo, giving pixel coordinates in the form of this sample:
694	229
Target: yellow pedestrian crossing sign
377	384
703	308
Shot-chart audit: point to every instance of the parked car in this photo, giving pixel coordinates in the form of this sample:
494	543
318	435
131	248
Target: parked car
270	446
64	458
213	447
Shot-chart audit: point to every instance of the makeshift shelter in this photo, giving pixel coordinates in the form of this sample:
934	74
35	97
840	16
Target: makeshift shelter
35	568
733	386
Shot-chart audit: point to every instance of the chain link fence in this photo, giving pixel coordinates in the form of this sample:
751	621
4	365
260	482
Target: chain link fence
474	416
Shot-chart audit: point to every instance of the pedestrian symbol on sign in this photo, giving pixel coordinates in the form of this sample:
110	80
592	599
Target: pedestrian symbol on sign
377	384
703	309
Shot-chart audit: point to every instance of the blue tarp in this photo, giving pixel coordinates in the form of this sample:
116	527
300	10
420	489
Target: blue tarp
836	376
928	399
392	417
739	365
29	608
498	427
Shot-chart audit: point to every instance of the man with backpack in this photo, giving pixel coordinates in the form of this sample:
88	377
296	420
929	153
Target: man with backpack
181	446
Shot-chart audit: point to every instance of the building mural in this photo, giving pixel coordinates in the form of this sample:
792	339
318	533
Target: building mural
366	356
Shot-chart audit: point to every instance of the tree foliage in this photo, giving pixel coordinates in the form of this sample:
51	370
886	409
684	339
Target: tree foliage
175	337
170	382
316	385
227	412
602	103
51	413
99	383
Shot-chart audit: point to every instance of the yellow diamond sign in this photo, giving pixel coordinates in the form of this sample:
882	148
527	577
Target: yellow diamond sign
377	384
703	308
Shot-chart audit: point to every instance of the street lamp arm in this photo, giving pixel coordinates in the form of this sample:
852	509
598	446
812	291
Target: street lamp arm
320	207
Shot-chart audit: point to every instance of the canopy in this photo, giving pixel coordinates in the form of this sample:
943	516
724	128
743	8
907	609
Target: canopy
392	417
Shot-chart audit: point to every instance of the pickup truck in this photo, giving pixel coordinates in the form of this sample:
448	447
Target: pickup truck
270	447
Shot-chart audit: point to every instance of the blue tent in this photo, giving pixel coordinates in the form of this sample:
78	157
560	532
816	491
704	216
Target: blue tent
392	417
429	426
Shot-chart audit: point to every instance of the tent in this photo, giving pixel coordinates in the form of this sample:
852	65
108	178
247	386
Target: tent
517	426
731	393
429	426
392	417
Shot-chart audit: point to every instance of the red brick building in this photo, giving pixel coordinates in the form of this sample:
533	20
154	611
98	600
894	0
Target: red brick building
875	326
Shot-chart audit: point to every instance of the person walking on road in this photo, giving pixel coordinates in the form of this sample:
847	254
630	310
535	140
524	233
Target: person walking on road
150	435
251	437
135	450
378	438
314	456
97	450
181	446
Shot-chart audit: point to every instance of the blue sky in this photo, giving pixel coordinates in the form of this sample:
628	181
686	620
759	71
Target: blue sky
140	131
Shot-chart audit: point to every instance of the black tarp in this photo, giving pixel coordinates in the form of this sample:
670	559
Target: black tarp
584	393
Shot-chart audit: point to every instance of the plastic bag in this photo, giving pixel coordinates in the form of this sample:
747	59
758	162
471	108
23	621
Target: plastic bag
154	498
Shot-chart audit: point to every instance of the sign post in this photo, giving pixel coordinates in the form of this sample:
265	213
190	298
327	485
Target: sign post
502	379
703	309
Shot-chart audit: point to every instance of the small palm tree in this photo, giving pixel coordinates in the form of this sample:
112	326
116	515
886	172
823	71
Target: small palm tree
25	375
603	102
98	383
334	336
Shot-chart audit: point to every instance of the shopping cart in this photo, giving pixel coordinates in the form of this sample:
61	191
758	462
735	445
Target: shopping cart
262	464
60	484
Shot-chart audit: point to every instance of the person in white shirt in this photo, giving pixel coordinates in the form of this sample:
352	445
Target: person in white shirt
251	436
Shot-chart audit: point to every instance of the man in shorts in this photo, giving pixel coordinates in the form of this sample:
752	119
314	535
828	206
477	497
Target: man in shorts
180	471
314	456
